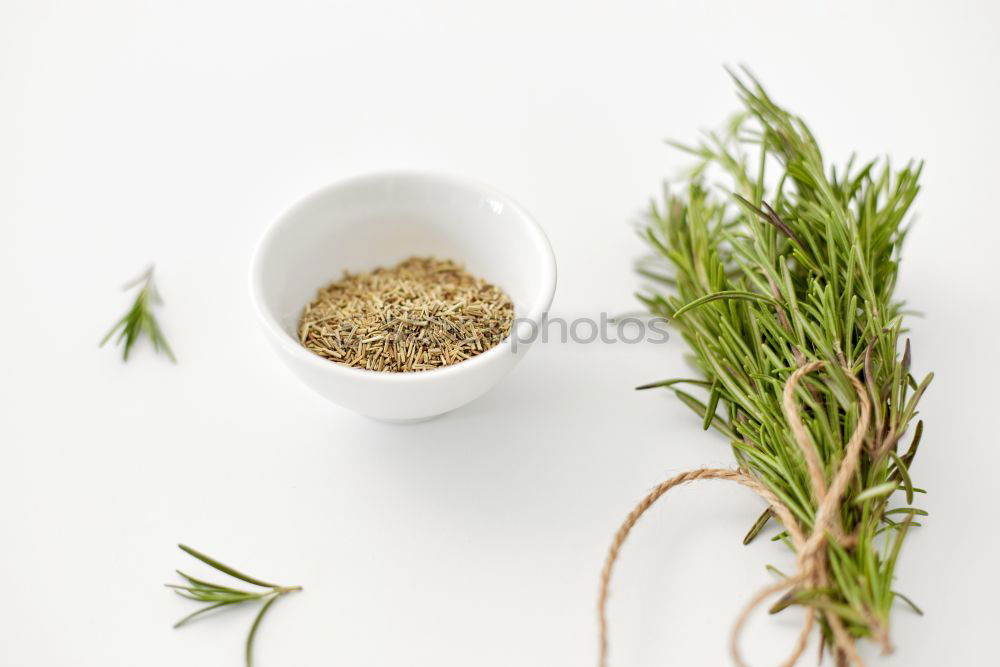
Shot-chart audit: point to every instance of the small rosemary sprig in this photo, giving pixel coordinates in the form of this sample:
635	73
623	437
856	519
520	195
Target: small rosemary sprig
215	595
139	319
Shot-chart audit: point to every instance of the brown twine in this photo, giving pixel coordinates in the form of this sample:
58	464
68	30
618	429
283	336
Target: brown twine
811	549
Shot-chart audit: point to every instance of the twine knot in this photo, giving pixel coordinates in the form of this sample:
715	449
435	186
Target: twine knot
812	572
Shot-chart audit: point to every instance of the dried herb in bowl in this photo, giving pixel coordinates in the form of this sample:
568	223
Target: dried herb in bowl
418	315
783	288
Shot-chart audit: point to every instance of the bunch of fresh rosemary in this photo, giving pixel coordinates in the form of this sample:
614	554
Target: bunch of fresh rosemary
771	274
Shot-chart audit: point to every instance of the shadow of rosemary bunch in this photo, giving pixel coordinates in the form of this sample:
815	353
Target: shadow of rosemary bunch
215	596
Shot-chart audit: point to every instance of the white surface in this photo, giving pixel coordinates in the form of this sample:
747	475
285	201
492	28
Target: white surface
175	131
381	219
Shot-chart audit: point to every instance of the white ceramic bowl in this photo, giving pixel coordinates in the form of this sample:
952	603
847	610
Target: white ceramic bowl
380	220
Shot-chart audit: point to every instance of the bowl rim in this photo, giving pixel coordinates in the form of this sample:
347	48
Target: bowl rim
539	306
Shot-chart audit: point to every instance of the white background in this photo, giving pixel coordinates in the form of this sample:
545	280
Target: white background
175	131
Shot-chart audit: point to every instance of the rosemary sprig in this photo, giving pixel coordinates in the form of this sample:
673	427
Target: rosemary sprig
139	319
774	273
216	596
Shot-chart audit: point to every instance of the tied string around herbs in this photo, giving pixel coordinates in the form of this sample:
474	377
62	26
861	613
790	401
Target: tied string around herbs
810	548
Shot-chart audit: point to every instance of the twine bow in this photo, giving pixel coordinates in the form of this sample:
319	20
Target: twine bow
811	549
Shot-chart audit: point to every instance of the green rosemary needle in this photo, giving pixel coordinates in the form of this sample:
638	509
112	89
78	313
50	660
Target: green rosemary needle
139	319
215	596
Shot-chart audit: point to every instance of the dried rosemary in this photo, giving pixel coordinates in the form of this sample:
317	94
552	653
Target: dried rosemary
420	314
783	288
